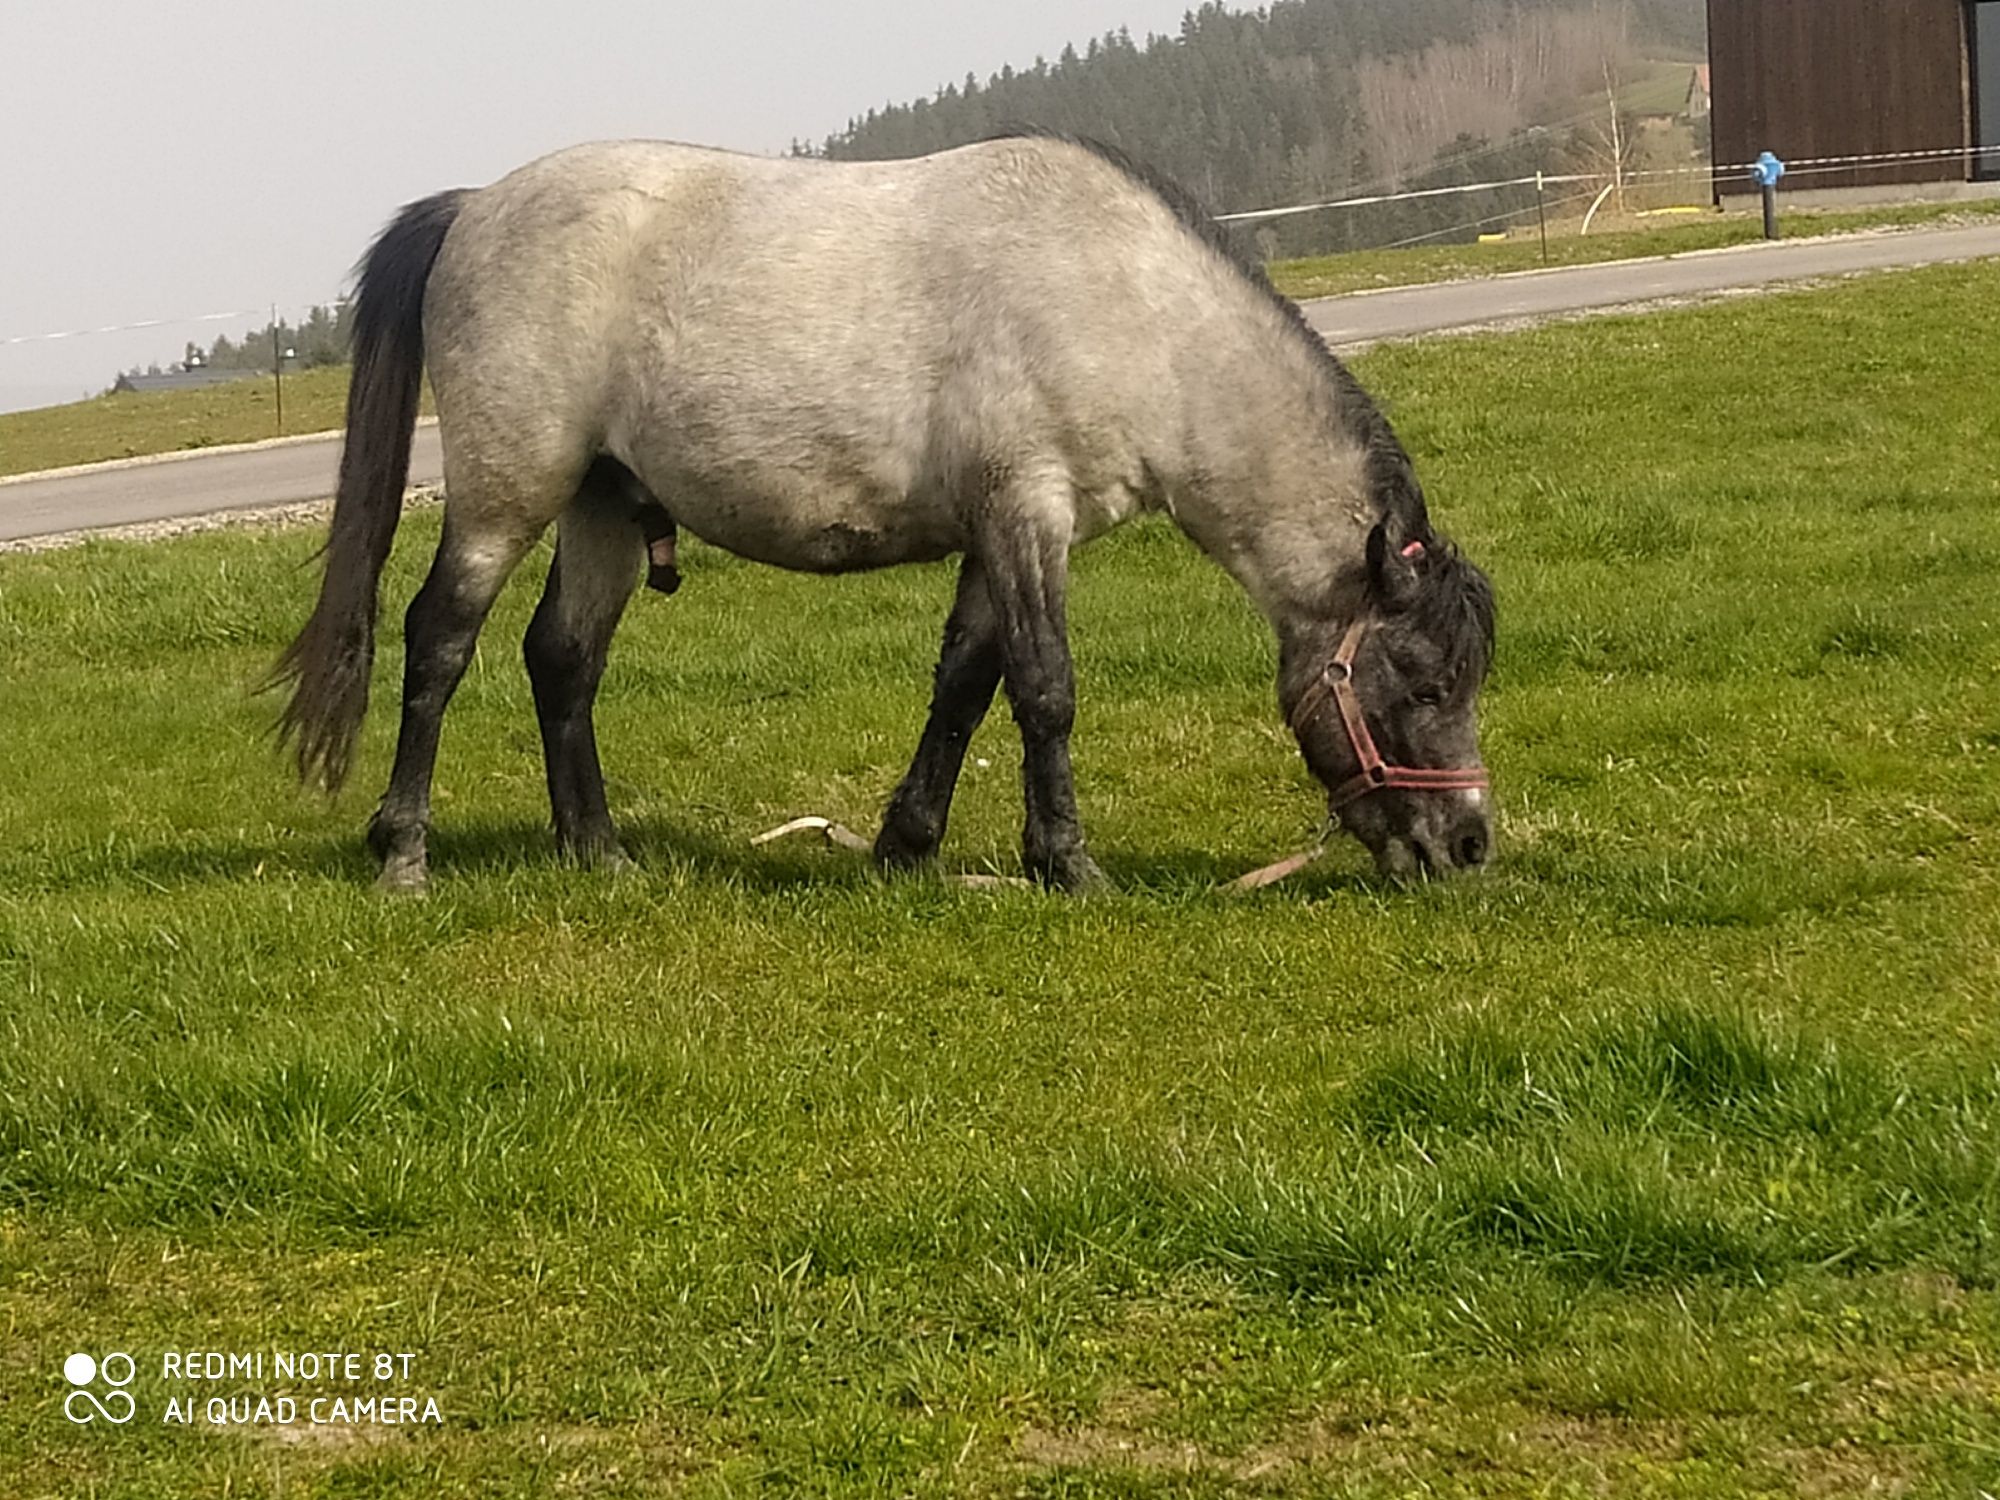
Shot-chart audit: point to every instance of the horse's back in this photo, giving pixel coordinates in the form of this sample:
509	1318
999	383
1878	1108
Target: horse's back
834	344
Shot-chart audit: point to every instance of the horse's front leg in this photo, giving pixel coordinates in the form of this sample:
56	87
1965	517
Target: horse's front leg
968	671
1023	549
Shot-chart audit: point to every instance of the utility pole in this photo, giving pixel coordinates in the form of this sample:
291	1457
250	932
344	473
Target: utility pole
278	369
1617	137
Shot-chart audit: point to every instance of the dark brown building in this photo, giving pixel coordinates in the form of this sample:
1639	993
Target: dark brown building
1849	78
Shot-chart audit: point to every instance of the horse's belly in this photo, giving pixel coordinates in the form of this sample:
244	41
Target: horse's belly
813	533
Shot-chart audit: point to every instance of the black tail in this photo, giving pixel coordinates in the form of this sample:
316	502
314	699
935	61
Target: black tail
328	665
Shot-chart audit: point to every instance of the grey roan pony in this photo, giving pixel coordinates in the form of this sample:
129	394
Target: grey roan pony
1000	351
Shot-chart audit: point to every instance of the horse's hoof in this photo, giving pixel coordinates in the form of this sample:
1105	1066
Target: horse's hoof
896	855
404	877
1074	874
1088	881
605	855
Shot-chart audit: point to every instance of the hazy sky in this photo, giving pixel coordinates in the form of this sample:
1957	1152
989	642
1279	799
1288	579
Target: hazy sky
163	158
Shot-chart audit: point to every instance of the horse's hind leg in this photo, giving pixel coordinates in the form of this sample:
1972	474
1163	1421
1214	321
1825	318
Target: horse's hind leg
600	542
477	553
968	671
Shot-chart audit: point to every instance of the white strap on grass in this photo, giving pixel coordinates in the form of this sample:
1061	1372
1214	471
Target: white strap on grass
835	833
842	837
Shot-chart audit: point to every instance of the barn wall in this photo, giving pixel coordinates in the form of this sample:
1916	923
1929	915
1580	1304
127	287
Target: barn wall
1807	78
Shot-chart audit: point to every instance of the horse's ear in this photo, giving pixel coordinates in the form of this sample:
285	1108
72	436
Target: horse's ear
1398	552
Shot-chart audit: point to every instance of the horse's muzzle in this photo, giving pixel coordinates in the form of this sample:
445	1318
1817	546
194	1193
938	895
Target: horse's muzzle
1448	833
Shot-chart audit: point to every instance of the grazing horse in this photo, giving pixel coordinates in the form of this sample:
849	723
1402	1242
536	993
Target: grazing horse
999	351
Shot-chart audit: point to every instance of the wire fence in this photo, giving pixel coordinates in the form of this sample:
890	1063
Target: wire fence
263	316
190	319
1635	177
1569	202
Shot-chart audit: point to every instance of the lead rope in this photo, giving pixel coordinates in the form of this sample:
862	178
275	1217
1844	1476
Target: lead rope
839	836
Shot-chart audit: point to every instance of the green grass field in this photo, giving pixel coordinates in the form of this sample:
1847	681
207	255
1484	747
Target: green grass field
1367	270
135	425
1664	1160
1659	86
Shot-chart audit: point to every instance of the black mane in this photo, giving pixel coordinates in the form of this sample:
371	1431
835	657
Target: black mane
1454	610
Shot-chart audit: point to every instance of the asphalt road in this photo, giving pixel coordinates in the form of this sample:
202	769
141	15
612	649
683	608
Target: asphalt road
1406	312
199	484
194	484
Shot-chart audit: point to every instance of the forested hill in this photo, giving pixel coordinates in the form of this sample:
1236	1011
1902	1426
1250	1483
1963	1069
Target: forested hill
1307	97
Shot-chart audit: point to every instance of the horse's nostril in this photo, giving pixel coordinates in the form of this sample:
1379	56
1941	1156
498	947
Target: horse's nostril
1472	846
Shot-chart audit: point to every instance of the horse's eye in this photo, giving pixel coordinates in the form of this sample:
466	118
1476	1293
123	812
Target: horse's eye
1427	697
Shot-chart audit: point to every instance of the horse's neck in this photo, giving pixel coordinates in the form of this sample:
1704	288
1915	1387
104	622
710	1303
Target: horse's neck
1274	487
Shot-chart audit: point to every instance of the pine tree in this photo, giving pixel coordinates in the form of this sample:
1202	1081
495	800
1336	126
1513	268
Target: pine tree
1252	109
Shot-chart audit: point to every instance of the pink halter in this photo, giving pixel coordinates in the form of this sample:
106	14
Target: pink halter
1337	678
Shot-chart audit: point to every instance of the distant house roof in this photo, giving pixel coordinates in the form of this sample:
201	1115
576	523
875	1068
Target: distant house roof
1699	92
181	380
